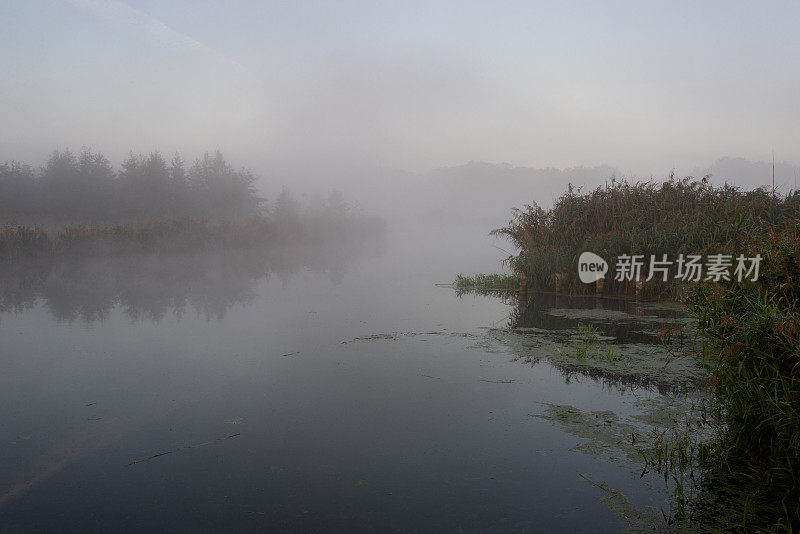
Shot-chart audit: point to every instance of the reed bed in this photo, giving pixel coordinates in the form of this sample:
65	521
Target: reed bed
677	216
186	234
749	329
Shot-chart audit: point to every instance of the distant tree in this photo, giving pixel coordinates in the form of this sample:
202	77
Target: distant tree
77	188
222	191
85	188
336	203
59	176
94	188
19	196
145	187
285	204
180	198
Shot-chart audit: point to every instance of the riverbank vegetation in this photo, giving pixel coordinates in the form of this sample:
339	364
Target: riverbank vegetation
78	205
678	216
753	331
324	230
748	330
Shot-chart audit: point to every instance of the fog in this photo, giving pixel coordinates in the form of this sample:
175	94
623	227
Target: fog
238	213
443	115
413	87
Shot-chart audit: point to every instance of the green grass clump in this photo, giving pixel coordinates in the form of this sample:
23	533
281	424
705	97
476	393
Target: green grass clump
498	282
588	346
753	331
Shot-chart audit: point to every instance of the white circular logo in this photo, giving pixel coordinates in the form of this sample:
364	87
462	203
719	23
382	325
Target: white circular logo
591	267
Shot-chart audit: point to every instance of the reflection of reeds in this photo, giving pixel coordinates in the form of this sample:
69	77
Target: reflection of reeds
678	216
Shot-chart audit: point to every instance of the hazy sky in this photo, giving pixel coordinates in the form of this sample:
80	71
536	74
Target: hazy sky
643	86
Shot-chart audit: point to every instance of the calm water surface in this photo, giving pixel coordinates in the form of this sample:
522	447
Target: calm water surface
195	394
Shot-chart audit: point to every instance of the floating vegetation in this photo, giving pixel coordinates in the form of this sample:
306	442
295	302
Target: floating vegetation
667	436
640	365
497	381
664	434
638	519
392	336
372	337
178	449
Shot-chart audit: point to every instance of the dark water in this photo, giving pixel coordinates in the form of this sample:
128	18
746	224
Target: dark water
227	392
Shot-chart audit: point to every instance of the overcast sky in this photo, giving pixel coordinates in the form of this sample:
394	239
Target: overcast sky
642	86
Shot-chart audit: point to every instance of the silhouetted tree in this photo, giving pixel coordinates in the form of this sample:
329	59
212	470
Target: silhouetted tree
93	194
59	177
144	187
285	205
19	197
85	188
221	190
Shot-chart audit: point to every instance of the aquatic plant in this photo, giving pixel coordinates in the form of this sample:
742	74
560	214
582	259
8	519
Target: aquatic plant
587	337
587	346
500	282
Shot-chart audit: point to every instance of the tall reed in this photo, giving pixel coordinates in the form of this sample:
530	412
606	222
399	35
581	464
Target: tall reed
677	216
753	332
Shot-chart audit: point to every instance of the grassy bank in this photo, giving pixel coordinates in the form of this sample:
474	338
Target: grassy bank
752	330
674	217
188	234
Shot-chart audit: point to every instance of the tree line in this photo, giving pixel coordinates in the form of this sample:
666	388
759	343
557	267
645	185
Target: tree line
84	187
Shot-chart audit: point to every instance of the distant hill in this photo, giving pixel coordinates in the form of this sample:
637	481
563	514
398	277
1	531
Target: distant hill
492	174
486	192
750	174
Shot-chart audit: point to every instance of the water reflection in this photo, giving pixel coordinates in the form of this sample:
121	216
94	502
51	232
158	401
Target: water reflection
624	320
622	344
154	286
212	423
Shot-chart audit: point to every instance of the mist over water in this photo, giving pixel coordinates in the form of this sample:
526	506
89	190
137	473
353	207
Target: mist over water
298	368
228	234
302	390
